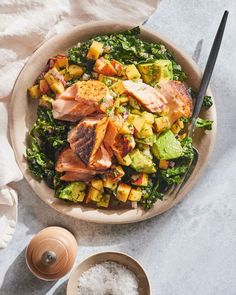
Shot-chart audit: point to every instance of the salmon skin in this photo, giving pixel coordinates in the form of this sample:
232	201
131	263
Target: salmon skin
86	138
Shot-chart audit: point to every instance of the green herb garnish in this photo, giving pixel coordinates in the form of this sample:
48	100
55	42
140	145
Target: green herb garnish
204	123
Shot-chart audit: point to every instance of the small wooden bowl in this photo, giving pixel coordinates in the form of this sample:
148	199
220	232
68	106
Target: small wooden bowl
121	258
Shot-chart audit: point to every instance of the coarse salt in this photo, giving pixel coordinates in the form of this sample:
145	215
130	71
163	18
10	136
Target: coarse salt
108	278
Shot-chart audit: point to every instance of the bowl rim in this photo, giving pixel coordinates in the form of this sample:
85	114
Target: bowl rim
105	215
100	255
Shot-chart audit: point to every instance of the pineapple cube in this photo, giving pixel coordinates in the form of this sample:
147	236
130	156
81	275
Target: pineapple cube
57	87
54	83
95	190
75	71
180	123
34	91
123	98
61	61
126	161
182	136
146	131
161	124
136	112
43	86
120	100
138	123
135	195
122	192
148	117
126	128
177	126
50	77
104	201
163	164
97	184
95	50
131	118
133	102
119	171
66	75
140	179
132	72
118	88
97	198
93	195
110	183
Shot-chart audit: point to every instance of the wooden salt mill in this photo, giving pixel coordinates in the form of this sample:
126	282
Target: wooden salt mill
51	253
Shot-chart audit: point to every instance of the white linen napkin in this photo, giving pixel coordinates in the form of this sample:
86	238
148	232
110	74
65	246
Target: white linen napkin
24	25
9	172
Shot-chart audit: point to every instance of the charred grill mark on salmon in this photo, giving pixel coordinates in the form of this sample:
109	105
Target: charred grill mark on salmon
82	141
124	144
86	138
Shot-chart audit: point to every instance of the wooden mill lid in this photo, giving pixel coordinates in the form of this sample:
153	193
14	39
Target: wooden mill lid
51	253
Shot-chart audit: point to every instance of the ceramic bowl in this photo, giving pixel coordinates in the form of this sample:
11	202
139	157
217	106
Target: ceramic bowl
23	112
121	258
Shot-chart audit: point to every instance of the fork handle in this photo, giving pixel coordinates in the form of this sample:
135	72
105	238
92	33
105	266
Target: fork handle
208	71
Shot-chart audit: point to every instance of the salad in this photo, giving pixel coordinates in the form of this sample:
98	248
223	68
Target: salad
112	118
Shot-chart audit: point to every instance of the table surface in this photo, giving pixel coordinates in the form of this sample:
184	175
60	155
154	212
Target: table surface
191	248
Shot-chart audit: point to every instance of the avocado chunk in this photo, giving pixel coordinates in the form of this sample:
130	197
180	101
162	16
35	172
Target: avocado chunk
157	71
74	191
167	147
141	163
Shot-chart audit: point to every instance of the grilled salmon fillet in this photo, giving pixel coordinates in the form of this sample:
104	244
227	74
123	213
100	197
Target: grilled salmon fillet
146	95
86	138
71	110
69	93
101	160
110	137
69	161
179	101
73	167
171	95
81	99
